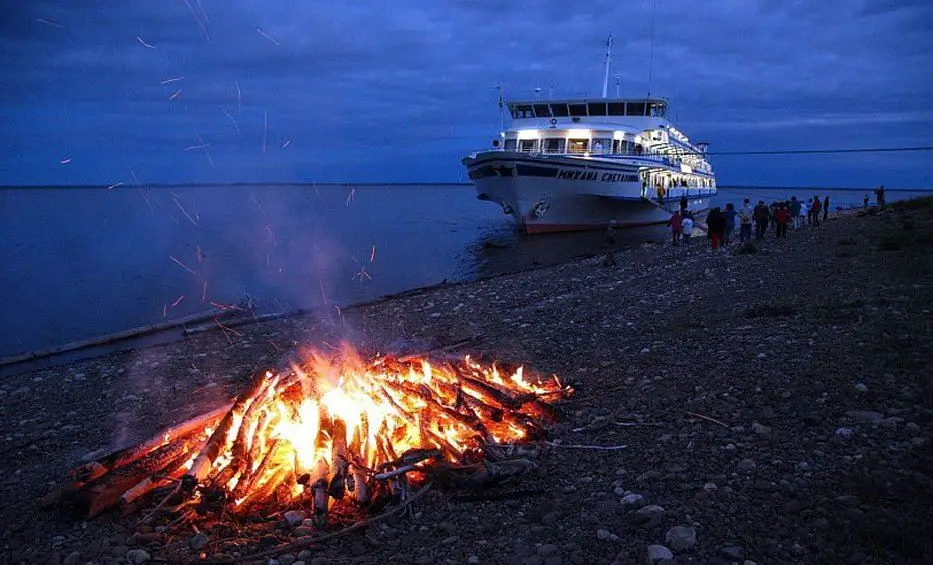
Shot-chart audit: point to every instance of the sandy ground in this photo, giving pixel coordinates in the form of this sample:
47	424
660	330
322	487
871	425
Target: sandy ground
814	353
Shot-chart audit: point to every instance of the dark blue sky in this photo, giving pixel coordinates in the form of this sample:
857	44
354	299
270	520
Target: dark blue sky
400	90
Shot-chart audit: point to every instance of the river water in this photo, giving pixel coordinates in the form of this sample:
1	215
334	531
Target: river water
82	262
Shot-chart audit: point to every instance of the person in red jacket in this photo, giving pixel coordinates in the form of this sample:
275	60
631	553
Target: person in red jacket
677	227
782	217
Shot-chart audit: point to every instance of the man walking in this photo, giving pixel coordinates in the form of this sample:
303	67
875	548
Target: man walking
795	212
745	222
762	215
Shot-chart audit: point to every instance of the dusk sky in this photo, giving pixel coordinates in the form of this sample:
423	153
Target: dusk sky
174	91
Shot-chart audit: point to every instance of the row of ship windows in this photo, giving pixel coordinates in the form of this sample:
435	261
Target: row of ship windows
599	146
589	109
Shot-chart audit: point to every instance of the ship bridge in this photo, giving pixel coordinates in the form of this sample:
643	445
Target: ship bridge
580	109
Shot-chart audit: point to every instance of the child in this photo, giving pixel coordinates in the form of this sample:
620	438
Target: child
686	225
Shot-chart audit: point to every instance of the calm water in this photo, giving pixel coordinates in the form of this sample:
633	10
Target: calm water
78	263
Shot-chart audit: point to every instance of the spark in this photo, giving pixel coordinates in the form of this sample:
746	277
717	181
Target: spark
350	196
201	146
267	36
175	94
115	185
286	144
271	235
140	188
372	254
182	208
178	300
321	284
258	205
203	12
235	126
337	307
203	292
49	23
65	161
198	19
171	80
164	310
140	39
182	265
361	274
265	130
238	97
199	254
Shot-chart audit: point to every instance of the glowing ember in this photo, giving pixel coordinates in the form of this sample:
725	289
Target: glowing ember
337	427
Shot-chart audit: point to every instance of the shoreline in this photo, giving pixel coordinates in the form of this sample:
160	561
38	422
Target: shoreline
772	344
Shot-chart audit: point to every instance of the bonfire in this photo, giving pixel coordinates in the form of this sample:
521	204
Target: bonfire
330	437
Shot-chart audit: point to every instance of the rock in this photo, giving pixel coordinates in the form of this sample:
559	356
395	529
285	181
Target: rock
648	476
644	351
546	550
357	549
709	487
303	531
603	534
305	556
74	558
760	429
21	391
198	541
137	556
681	538
762	356
634	500
298	563
861	387
889	423
649	516
844	432
294	517
864	415
287	559
656	553
733	552
119	551
746	465
473	559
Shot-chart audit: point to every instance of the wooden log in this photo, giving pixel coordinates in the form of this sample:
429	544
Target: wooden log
164	477
105	492
220	438
239	451
108	338
86	473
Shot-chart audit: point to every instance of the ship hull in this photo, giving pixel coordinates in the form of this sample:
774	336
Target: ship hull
548	194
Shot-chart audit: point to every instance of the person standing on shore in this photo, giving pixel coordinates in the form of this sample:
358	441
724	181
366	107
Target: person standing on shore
688	228
879	196
795	212
865	203
761	215
825	208
716	226
683	205
730	215
745	222
815	211
782	218
677	227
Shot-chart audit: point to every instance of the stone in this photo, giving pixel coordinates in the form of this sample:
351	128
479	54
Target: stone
760	429
198	541
844	432
733	552
603	534
656	553
861	387
473	559
294	517
74	558
864	415
357	549
634	500
305	555
649	516
546	549
287	559
303	531
746	465
681	538
137	556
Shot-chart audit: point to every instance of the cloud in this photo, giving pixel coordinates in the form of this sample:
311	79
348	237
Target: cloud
400	90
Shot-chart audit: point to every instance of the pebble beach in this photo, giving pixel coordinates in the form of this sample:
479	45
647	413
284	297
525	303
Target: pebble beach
776	407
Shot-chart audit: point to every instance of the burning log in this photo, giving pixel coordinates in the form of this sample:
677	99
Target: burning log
221	436
329	433
95	469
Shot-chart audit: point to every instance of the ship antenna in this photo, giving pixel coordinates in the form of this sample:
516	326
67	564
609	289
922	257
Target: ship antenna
501	110
608	60
618	86
651	46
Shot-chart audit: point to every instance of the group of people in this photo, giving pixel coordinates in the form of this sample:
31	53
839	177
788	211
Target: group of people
721	224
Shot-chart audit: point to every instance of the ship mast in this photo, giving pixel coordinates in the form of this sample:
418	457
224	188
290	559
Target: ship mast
608	60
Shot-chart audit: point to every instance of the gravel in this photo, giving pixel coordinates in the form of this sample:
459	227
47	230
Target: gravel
767	348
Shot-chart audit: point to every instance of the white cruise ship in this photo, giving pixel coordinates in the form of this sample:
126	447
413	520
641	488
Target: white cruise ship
579	164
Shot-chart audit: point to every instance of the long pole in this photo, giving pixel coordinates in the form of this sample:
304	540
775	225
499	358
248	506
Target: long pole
608	60
651	46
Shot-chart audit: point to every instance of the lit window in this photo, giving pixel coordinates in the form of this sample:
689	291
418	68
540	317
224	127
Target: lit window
578	145
554	145
527	145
